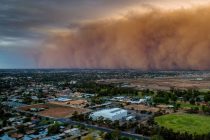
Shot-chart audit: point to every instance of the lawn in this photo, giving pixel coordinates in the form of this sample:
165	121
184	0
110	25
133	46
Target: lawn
190	123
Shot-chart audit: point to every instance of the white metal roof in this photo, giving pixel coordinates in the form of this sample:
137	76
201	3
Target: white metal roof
109	112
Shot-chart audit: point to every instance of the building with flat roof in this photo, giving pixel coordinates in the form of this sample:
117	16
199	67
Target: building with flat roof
111	114
63	99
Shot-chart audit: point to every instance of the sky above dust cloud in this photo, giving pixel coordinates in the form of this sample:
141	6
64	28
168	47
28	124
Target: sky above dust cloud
134	34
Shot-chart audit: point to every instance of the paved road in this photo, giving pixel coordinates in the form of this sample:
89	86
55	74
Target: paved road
131	135
104	129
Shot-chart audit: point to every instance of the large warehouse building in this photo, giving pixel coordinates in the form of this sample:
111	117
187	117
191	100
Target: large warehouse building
111	114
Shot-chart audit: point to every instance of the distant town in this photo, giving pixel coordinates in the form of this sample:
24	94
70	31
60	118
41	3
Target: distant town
83	104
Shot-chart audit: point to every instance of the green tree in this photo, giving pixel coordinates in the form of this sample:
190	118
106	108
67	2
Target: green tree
116	134
21	129
207	97
53	129
157	137
192	101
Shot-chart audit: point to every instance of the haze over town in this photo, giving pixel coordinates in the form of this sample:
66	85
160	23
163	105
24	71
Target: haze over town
135	34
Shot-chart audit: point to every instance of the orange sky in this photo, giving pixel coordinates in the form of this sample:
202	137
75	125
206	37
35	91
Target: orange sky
140	34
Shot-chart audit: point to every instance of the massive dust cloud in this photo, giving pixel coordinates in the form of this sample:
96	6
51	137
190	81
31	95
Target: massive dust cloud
156	40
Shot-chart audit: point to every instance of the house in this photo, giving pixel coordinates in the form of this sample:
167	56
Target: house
73	132
130	118
140	101
6	137
17	135
36	109
119	98
62	99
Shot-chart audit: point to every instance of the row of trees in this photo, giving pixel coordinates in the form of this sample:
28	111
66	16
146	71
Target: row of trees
161	96
4	115
104	89
190	95
196	109
169	134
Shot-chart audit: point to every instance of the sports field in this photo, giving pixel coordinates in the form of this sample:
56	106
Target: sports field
190	123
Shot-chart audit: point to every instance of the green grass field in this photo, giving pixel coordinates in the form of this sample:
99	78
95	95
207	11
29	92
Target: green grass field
190	123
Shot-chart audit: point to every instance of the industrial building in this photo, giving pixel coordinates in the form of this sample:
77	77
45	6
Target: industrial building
111	114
